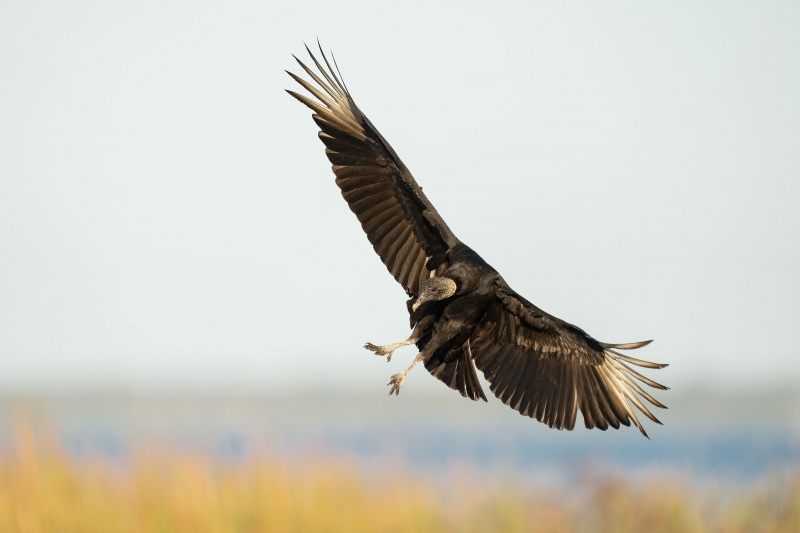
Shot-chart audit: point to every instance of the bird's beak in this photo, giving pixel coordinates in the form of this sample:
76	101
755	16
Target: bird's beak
415	305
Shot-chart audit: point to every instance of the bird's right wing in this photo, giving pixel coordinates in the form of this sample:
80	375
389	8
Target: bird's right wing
402	225
549	369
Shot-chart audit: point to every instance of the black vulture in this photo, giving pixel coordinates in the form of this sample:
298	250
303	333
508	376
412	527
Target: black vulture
462	312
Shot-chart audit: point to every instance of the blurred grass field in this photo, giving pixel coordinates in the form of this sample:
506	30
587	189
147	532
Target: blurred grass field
164	489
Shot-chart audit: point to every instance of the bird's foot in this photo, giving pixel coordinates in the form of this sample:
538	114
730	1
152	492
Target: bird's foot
396	382
387	350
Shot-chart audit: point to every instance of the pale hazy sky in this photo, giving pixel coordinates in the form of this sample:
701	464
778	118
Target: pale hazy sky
168	218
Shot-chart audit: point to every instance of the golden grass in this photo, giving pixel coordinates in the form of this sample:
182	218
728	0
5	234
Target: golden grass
177	491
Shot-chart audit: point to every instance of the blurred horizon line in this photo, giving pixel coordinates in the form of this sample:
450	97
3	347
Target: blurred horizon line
694	402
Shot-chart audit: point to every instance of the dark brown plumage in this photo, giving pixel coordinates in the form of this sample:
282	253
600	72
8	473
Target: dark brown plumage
462	312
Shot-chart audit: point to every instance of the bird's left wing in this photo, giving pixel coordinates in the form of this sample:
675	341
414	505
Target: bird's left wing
402	225
548	369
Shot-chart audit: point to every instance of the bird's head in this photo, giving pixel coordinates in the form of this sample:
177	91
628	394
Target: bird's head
435	289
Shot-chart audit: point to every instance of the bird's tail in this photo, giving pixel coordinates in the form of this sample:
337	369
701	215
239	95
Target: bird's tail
457	371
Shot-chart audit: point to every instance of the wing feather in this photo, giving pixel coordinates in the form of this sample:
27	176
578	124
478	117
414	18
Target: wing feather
397	244
548	369
408	256
372	213
389	235
566	417
343	144
402	225
592	396
551	412
418	270
521	397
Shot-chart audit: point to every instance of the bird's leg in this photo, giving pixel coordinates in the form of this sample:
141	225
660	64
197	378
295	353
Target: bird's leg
421	329
438	338
397	380
388	349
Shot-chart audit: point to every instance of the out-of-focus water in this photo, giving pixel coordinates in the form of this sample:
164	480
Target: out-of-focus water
732	445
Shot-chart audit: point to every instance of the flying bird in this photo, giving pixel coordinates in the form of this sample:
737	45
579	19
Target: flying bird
463	314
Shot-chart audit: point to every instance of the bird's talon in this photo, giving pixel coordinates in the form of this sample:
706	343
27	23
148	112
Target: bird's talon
380	350
396	382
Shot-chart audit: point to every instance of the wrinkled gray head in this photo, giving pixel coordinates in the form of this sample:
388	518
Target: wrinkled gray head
435	289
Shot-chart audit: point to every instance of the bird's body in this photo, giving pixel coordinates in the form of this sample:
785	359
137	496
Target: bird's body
462	312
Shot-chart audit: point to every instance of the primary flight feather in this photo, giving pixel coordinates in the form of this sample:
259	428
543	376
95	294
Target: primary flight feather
463	313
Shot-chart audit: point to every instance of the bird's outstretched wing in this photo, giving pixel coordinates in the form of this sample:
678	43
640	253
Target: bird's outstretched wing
548	369
402	225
